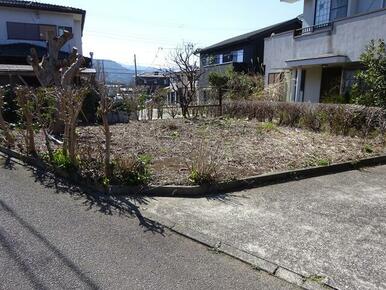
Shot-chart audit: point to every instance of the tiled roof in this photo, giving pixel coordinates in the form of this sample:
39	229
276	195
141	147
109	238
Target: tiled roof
40	6
43	6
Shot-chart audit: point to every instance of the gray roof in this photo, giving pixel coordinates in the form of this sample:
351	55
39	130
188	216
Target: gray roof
248	36
42	6
18	68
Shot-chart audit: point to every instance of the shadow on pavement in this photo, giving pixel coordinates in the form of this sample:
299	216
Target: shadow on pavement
27	269
103	203
7	163
227	198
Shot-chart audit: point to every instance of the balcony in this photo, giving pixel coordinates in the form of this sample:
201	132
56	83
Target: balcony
346	38
316	28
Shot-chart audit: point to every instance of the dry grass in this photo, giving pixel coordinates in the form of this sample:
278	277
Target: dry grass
239	148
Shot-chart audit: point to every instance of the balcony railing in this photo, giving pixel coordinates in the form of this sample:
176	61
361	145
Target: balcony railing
312	29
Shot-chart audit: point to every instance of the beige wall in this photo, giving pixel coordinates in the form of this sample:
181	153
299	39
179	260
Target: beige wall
312	84
349	37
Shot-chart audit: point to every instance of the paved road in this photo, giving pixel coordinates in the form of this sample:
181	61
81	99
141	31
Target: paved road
53	237
332	226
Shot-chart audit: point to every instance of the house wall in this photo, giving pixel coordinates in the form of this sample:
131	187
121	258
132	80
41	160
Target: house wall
253	54
349	37
41	17
312	85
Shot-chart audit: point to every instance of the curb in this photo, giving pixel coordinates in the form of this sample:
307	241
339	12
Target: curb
209	189
255	261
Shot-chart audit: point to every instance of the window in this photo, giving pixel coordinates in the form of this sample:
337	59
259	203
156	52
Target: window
330	10
28	31
45	30
338	9
23	31
61	29
234	56
228	57
204	60
238	56
322	13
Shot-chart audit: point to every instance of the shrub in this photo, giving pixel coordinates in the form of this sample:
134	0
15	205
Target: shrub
132	170
370	86
243	86
61	160
90	108
368	149
11	108
331	118
203	168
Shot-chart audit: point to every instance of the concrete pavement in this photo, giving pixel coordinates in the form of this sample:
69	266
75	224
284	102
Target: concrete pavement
54	237
330	228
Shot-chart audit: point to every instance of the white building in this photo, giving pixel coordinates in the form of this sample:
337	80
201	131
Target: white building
320	60
24	24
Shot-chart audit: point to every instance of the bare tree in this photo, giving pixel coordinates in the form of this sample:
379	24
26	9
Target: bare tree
184	74
105	107
25	102
44	99
52	71
70	103
9	138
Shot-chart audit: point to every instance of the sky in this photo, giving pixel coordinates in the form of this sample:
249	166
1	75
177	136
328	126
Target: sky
118	29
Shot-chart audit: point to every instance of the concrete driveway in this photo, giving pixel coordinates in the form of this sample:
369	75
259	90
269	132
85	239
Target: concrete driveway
331	227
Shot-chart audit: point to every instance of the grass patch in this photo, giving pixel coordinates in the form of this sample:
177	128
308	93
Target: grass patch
132	170
367	148
267	127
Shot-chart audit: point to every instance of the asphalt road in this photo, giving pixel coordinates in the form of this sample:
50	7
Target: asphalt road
55	237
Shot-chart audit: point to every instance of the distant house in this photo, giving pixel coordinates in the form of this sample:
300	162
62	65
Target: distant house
241	53
23	25
153	80
319	60
179	85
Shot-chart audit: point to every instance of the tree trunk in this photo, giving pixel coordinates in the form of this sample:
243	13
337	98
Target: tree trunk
106	129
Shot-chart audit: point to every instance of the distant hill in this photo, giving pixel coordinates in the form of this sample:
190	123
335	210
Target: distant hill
117	73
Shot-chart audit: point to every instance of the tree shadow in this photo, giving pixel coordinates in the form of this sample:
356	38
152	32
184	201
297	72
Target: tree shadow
128	206
8	164
227	198
27	270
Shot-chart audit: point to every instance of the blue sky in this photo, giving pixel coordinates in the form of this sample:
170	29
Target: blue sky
117	29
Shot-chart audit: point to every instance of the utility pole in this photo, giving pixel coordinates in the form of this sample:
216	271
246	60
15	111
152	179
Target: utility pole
136	71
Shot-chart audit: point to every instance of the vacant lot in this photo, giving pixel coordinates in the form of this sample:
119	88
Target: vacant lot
239	148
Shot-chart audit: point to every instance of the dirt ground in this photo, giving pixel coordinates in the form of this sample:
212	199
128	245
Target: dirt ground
239	148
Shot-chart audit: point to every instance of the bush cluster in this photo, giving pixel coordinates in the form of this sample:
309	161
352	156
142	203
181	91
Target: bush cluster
131	170
335	119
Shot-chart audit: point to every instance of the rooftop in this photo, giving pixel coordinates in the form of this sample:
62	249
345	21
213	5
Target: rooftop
254	34
42	6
